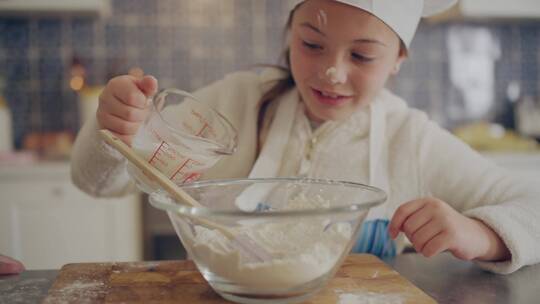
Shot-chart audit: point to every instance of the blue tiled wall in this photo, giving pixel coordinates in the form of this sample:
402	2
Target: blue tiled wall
189	43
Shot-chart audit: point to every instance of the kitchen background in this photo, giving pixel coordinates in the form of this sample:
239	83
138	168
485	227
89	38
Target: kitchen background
52	65
187	44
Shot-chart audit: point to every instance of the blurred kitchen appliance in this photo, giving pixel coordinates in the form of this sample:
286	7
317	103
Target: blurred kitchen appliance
506	115
473	52
6	135
88	99
6	132
528	116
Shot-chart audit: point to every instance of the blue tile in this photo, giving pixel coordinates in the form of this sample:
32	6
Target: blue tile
3	67
52	110
17	70
83	52
70	117
16	54
82	37
142	7
121	6
509	43
166	69
178	38
116	66
115	35
51	74
149	66
144	36
180	58
3	30
420	75
17	33
82	33
49	33
18	98
165	37
49	65
49	52
51	100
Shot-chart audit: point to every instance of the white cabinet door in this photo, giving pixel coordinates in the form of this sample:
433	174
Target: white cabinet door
49	223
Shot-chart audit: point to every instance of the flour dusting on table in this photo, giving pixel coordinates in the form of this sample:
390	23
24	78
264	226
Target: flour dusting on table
369	297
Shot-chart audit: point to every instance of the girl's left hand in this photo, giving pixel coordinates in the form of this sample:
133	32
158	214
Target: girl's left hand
433	226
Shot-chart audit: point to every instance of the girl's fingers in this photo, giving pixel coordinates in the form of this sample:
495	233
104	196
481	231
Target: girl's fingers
127	139
119	125
416	220
132	114
401	215
148	85
435	245
125	89
424	234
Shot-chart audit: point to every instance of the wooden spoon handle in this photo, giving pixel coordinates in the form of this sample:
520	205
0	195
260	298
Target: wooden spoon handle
148	169
169	186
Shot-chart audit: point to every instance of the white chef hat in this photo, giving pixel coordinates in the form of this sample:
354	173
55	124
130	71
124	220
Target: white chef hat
402	16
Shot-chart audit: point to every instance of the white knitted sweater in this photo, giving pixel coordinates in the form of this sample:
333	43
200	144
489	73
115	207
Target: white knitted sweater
423	160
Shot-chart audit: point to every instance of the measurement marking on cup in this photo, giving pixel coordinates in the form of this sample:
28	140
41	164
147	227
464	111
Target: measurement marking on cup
163	155
191	177
204	127
157	151
180	168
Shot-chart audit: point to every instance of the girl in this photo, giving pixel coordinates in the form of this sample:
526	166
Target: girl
328	115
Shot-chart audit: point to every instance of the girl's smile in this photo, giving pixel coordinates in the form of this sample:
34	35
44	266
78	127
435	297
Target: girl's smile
330	98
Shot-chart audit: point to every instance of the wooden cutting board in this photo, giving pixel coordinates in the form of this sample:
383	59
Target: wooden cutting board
361	279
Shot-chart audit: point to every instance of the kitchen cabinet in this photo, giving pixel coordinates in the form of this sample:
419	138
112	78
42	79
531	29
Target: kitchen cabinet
480	9
500	8
56	7
46	222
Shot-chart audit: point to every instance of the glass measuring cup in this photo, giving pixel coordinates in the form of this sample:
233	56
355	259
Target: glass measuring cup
182	137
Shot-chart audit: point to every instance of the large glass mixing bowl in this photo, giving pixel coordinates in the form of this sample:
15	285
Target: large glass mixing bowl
274	240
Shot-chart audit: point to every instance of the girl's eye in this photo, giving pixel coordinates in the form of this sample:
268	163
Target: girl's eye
311	46
361	58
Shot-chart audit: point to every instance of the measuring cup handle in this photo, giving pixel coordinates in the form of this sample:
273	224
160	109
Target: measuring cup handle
160	97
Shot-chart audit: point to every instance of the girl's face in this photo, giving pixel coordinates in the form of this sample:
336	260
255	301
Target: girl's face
341	57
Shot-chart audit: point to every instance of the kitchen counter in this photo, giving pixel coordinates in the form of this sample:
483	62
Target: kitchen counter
445	278
449	280
28	287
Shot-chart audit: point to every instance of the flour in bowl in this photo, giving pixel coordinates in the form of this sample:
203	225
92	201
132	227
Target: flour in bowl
303	249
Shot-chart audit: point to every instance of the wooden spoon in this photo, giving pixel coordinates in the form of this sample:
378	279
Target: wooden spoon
243	242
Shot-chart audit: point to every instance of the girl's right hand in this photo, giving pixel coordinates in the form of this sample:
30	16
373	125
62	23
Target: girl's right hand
10	266
124	105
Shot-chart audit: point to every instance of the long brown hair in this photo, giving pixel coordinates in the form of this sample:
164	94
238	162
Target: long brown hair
281	85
